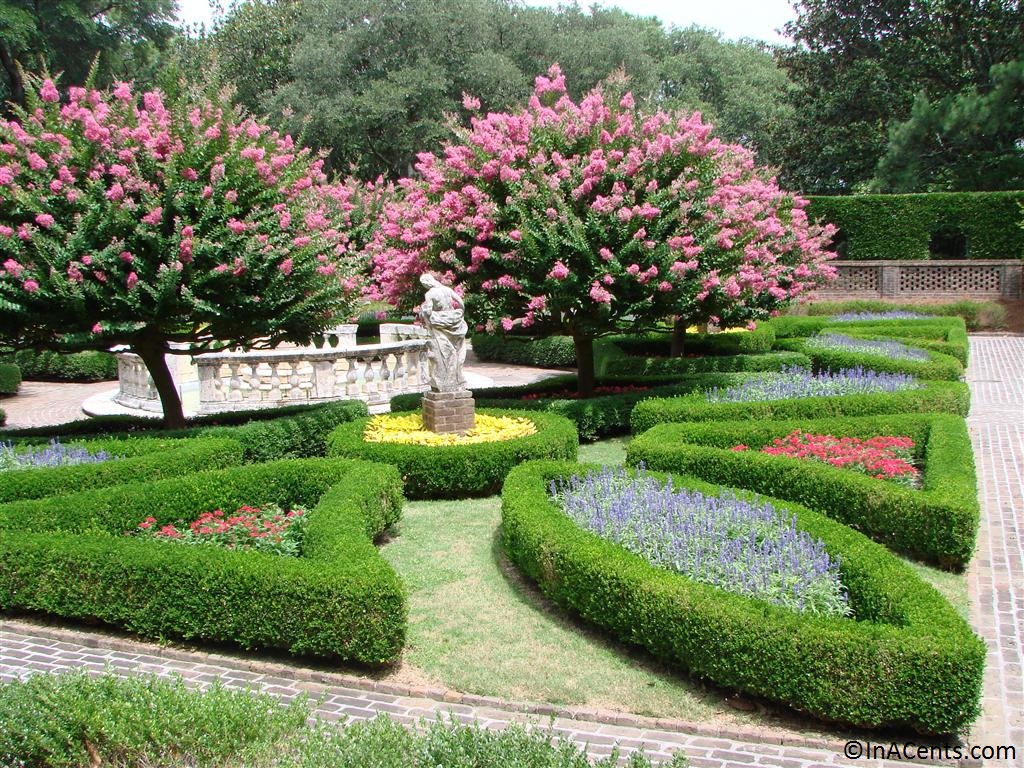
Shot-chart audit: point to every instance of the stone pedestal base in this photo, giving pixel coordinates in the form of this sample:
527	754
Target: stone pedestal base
447	412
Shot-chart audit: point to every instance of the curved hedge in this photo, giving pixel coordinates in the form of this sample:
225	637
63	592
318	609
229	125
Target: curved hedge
595	417
59	366
547	352
460	471
339	599
976	314
794	326
908	660
688	366
938	522
938	367
934	397
10	379
133	460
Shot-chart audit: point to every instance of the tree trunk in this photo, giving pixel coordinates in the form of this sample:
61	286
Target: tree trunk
678	337
14	77
584	363
152	355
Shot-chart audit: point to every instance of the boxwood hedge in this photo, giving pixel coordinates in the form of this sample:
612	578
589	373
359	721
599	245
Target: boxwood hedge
687	366
907	659
60	366
752	342
133	460
938	522
547	352
978	315
69	556
460	471
937	367
10	379
934	397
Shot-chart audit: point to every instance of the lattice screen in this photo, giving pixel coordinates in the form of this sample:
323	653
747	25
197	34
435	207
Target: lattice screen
855	280
964	280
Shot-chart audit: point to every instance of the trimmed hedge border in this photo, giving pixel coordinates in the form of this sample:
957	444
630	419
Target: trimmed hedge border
938	367
460	471
937	523
341	599
265	435
10	378
134	460
909	659
596	417
788	327
60	366
688	366
753	342
547	352
977	315
934	397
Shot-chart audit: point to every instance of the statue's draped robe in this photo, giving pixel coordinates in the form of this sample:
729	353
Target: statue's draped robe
444	317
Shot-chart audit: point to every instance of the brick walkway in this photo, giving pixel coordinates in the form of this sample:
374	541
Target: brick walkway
996	580
996	575
42	404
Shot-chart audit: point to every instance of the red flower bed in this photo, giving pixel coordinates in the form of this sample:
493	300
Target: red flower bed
882	457
568	394
263	529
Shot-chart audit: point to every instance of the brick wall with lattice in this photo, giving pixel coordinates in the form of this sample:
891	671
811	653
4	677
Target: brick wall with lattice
945	279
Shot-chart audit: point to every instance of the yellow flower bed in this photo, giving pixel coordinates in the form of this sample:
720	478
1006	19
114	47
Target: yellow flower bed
408	429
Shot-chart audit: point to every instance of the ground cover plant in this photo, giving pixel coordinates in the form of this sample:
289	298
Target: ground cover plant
55	454
797	383
74	721
338	599
891	348
736	544
868	670
446	468
937	522
832	351
266	528
977	315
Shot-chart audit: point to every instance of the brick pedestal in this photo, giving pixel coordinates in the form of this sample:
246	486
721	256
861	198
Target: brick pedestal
447	412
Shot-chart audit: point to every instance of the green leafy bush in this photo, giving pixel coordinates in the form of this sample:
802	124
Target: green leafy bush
753	342
460	471
134	460
687	366
298	431
937	367
72	720
10	379
907	659
58	366
339	599
978	315
548	352
934	397
902	226
938	522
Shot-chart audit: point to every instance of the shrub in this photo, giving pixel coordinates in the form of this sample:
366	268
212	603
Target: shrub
907	659
938	522
68	720
978	315
10	379
830	351
550	352
134	460
594	417
459	471
752	342
687	366
56	366
339	599
933	397
298	431
902	226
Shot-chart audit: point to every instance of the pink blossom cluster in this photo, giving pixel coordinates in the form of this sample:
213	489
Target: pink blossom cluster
265	528
883	457
596	211
118	199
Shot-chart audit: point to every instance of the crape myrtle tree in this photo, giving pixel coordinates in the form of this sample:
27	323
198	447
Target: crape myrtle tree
593	218
170	228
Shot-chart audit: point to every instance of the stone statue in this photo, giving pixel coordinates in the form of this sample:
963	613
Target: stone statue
443	314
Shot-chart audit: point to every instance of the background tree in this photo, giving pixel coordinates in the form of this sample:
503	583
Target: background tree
67	35
595	217
154	225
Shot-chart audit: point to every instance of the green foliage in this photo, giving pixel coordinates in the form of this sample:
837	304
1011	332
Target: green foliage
10	378
133	460
459	471
978	315
340	599
796	326
939	366
550	352
935	397
925	226
937	522
687	366
739	343
53	366
298	431
70	720
906	659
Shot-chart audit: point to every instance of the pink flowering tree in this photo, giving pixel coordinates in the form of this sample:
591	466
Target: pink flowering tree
594	218
170	228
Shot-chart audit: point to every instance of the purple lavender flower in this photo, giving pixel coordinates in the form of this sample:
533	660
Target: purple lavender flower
893	314
795	382
745	547
842	342
53	455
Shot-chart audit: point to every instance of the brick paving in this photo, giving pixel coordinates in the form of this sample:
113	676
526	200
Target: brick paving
43	404
996	575
996	579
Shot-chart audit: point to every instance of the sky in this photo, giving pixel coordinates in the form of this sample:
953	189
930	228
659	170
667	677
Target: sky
757	19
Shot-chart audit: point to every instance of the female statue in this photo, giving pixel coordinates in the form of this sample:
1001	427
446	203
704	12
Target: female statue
443	315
